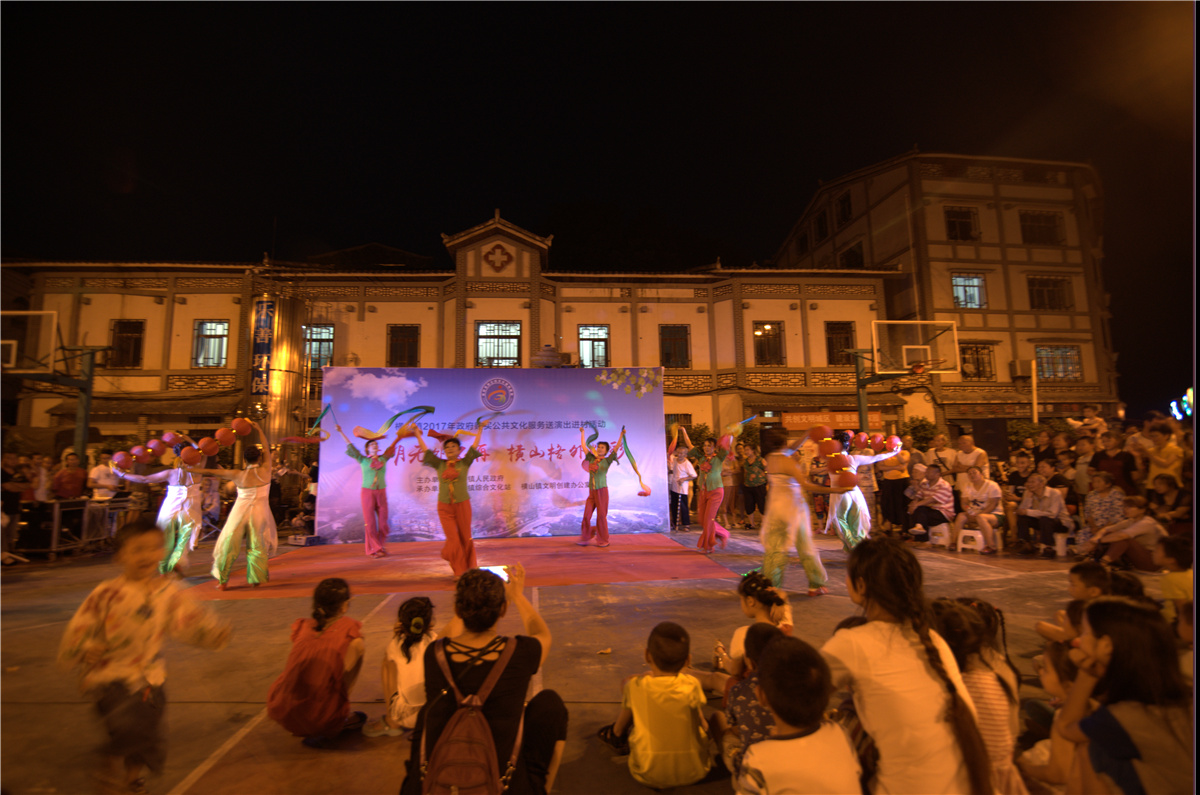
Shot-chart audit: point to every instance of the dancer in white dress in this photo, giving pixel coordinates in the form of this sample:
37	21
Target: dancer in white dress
250	520
849	515
180	517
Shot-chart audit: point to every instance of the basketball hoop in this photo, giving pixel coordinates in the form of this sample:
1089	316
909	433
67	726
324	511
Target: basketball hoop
918	368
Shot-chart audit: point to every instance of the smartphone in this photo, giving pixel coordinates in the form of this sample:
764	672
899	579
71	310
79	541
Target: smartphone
499	571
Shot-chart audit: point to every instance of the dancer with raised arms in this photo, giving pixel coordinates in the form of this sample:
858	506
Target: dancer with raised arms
454	502
710	490
849	515
180	516
596	463
373	494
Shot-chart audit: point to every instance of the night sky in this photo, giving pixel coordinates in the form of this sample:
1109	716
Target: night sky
634	133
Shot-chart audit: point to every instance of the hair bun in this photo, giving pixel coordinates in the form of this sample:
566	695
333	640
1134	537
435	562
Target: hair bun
417	626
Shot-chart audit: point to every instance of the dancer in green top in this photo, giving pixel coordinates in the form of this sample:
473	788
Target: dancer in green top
454	504
373	495
596	464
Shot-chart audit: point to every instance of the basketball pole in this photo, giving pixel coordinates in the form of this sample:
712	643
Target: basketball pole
862	381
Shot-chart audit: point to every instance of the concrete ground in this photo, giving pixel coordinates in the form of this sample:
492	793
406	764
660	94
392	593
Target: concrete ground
220	742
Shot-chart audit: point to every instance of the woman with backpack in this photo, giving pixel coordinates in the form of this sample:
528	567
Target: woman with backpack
473	663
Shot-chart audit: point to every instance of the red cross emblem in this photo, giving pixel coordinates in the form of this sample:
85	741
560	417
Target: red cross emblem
498	257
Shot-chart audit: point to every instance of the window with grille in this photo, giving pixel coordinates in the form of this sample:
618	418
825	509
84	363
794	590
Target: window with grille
593	346
1051	292
839	338
970	290
962	223
852	258
404	346
978	361
1058	362
1041	227
210	343
683	419
822	226
802	244
318	345
674	347
497	344
768	343
844	210
128	337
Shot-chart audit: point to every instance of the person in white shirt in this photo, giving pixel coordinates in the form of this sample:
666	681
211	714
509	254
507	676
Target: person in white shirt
680	474
941	454
101	479
981	501
969	456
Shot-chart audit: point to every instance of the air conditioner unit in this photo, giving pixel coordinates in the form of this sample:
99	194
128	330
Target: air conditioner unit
567	359
1021	368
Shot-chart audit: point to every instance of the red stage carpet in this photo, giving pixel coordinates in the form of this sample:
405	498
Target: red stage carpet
418	567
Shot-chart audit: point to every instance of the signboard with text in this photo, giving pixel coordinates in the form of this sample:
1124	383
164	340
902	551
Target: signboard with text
844	420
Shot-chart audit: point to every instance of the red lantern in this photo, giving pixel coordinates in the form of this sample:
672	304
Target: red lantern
191	456
845	480
894	443
156	446
877	442
860	441
840	462
241	426
172	438
829	447
209	446
225	437
141	454
122	460
819	432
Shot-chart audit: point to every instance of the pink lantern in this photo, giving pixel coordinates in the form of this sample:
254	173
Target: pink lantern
860	441
225	437
191	456
819	432
839	463
156	446
241	426
122	460
877	442
846	479
141	454
894	443
829	447
209	446
171	438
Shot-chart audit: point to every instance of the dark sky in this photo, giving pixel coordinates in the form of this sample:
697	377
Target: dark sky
188	131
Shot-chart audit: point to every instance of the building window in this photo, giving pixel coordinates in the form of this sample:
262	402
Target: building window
593	346
839	338
316	382
768	343
852	258
318	345
683	419
675	347
970	290
1042	228
962	223
822	226
497	344
978	361
211	343
844	210
404	346
127	342
1058	362
802	244
1053	293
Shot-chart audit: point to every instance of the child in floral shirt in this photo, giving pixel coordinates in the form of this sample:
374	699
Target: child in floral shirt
115	640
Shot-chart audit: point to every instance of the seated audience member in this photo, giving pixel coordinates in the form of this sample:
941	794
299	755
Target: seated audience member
761	602
1013	485
1133	539
1104	505
1165	457
480	600
981	504
846	715
1120	465
1173	555
1185	631
1026	446
403	669
1044	449
932	504
1049	760
662	716
1085	450
1092	425
1129	585
804	753
1054	479
1043	511
748	721
1171	505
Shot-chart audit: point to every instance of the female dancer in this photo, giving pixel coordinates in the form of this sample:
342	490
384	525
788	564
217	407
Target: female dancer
849	515
249	519
373	495
597	462
180	517
710	490
454	503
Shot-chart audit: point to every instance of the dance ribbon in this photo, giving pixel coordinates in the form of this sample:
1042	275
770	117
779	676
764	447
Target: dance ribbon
645	492
314	433
442	437
372	436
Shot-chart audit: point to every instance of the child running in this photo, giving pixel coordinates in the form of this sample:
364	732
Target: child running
311	698
115	640
404	669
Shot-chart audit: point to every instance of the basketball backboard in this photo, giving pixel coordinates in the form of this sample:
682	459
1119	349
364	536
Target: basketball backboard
28	341
914	346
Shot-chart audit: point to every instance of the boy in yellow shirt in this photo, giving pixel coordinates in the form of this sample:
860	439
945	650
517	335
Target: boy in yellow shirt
668	735
1173	556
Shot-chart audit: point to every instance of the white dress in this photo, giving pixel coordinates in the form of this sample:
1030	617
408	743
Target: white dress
180	512
787	523
251	514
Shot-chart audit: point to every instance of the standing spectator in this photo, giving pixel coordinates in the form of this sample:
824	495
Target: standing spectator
932	505
754	485
1120	464
915	456
1091	425
14	483
69	481
680	475
1043	510
40	465
1165	457
892	503
969	456
1103	506
941	454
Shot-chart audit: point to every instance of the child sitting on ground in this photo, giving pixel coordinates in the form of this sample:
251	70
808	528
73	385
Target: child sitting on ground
804	752
1049	760
747	719
760	602
404	668
311	698
115	640
662	714
1185	631
1085	581
1174	554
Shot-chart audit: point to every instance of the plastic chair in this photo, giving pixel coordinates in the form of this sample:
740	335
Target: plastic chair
970	539
940	534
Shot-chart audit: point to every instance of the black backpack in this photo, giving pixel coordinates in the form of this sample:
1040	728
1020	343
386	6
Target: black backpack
464	757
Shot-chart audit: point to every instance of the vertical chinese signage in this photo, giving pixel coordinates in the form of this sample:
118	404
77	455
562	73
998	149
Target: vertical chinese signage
261	345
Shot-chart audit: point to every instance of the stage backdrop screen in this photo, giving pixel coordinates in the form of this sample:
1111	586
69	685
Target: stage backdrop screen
530	479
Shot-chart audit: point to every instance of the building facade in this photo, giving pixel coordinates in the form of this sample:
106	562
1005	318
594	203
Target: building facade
1008	250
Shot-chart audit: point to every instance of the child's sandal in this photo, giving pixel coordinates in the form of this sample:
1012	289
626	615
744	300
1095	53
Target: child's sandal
612	739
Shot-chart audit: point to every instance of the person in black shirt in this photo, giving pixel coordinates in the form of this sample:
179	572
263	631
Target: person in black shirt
14	482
